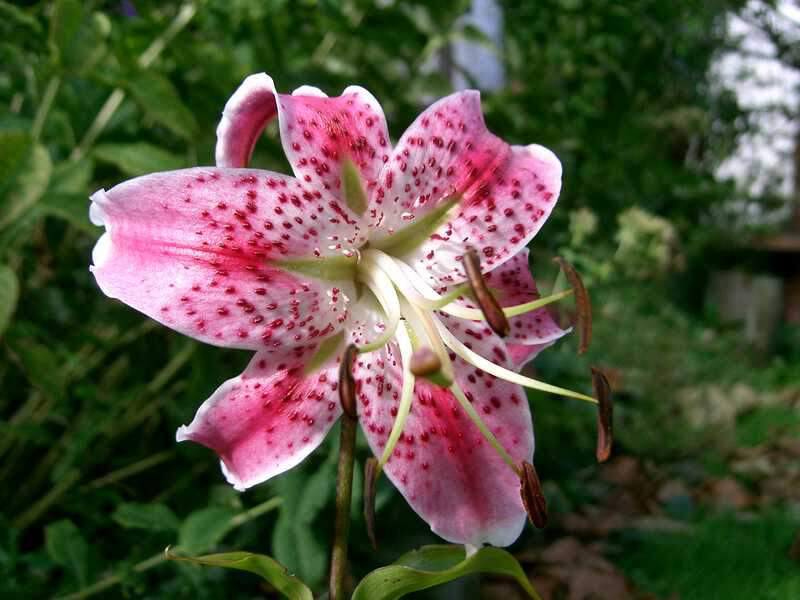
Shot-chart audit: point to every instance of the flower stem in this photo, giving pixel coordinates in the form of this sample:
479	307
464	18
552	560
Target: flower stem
344	493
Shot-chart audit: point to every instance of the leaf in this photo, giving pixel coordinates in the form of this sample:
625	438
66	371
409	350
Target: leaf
152	517
204	528
159	99
68	549
435	565
64	24
40	364
9	294
72	177
73	208
139	158
270	569
16	145
29	186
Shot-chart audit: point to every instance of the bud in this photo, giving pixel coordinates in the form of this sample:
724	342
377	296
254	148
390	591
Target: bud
583	321
532	497
372	471
495	317
605	414
347	384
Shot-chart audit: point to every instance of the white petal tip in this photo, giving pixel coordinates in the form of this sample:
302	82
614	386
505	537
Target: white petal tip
182	434
101	251
545	155
237	483
309	90
96	214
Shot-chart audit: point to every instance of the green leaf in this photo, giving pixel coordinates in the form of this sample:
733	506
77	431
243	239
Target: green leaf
270	569
40	364
152	517
204	528
64	24
72	177
139	158
16	146
73	208
434	565
68	549
9	294
159	99
29	186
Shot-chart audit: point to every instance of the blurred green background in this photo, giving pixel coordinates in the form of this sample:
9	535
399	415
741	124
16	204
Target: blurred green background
702	498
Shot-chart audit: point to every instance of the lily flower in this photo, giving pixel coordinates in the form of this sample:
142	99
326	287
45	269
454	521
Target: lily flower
364	245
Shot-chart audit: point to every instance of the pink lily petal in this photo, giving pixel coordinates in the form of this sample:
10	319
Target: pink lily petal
507	192
520	354
443	466
317	132
190	249
269	418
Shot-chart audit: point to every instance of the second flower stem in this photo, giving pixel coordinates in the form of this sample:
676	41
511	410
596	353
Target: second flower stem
344	493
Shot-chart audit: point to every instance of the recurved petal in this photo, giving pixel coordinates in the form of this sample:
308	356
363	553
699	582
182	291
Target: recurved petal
200	251
442	465
504	193
269	418
317	132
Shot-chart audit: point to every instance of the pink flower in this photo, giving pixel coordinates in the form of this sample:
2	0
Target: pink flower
364	245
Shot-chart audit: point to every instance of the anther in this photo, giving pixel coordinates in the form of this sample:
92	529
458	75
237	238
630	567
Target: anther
372	471
488	304
347	384
533	499
424	362
605	414
582	303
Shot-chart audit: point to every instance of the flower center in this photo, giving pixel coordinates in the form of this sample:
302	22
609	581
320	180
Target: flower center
410	305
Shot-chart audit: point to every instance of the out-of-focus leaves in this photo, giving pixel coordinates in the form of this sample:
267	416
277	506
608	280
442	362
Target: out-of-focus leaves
9	293
295	542
268	568
16	146
68	549
72	177
434	565
40	365
73	208
153	517
161	101
138	158
204	528
29	186
64	24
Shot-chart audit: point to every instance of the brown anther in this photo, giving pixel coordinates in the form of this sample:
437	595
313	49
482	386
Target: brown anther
533	499
495	317
424	362
583	304
347	384
372	472
605	414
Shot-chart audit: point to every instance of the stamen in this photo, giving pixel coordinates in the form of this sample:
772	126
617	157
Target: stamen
484	364
582	304
605	414
347	383
485	431
381	286
472	314
486	301
406	395
532	497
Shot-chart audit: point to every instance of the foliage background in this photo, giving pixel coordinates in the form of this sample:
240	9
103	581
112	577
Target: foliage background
92	485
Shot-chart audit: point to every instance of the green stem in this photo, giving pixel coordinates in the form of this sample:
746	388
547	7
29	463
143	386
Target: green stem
344	493
44	108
